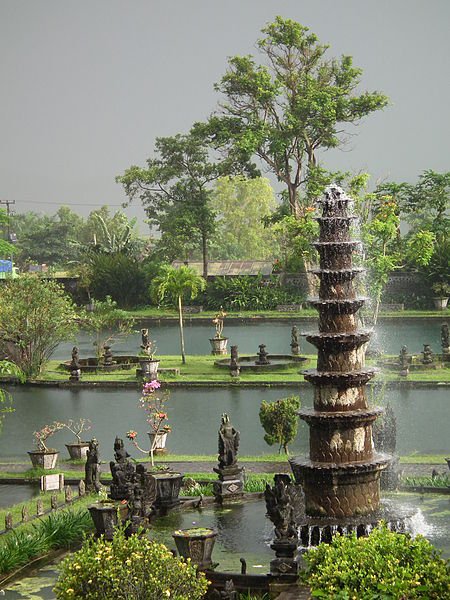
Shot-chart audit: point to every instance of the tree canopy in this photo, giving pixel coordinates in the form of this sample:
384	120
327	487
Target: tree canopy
286	109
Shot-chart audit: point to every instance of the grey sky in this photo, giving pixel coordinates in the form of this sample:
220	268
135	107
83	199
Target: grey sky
87	86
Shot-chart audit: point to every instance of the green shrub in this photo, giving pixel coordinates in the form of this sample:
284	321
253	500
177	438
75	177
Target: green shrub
384	565
127	569
280	421
246	293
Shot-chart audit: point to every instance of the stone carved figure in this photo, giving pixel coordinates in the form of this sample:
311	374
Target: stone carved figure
107	355
404	358
427	355
445	338
122	471
92	467
75	368
262	356
295	343
228	443
280	502
234	362
120	454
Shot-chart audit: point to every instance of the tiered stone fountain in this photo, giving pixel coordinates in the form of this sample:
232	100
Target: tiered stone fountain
341	477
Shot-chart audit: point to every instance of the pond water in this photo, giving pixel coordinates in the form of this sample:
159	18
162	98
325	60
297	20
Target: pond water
244	531
15	494
422	418
389	337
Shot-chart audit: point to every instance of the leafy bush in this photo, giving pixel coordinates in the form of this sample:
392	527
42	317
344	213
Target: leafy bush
280	422
384	565
127	569
247	293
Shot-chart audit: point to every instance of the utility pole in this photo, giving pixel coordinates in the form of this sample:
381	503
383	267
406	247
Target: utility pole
8	225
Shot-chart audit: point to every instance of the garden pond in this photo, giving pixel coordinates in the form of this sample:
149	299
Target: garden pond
390	335
244	531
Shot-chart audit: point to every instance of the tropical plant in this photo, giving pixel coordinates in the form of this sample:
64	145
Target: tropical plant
154	406
280	421
35	316
441	289
128	568
175	285
383	565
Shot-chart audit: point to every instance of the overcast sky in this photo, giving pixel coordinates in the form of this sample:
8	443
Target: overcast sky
88	85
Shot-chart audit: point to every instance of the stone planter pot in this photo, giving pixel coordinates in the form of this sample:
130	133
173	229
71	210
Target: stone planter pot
160	444
197	544
440	303
149	368
218	345
106	517
168	487
44	460
78	450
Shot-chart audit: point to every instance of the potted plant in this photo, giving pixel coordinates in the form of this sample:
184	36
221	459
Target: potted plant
106	514
441	290
196	543
149	365
45	457
219	342
154	405
78	449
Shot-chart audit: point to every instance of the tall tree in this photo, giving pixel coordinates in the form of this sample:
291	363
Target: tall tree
176	285
241	206
175	189
285	111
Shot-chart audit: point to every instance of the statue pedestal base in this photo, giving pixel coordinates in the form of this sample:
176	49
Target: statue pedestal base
230	485
285	562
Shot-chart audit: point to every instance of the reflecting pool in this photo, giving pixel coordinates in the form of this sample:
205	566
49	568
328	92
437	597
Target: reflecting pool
422	418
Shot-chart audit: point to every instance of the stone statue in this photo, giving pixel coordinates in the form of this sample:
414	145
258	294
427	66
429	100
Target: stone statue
445	341
262	356
107	355
145	339
92	467
120	454
427	355
295	344
75	368
234	362
228	443
280	502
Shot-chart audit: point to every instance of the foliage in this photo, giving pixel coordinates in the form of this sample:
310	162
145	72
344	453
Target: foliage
118	276
280	421
41	436
175	190
60	529
438	481
154	406
175	285
382	565
8	369
35	316
77	427
295	236
241	206
6	248
126	569
104	318
247	293
284	111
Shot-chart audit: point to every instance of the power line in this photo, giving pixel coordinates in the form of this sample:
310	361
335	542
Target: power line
66	204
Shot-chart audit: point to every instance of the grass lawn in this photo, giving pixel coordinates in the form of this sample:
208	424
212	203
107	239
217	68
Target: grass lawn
201	369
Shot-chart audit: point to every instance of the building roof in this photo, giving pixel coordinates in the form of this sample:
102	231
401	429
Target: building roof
230	267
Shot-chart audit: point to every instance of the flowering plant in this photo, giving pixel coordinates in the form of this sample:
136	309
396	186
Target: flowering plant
77	427
153	404
41	436
218	322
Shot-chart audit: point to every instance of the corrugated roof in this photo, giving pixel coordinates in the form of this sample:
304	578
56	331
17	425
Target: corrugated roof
230	267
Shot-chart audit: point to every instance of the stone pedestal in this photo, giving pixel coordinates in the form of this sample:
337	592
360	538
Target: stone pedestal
230	485
285	562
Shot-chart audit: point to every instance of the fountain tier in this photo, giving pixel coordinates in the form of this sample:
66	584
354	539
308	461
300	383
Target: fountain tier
341	477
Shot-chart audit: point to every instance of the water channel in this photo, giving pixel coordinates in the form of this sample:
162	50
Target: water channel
194	413
390	335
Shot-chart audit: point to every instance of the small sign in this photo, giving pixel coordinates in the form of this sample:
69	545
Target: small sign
52	482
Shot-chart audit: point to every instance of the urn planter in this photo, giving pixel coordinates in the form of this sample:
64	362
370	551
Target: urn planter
78	450
160	443
44	459
106	515
196	543
149	368
218	345
440	303
168	486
